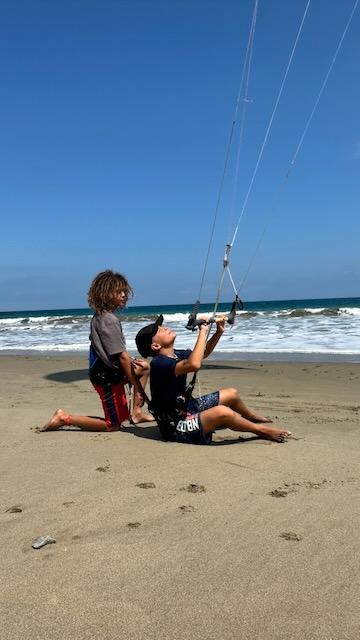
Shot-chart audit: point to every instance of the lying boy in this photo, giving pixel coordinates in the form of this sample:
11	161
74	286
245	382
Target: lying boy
197	420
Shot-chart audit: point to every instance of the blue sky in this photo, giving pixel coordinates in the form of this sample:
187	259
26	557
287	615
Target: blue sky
115	117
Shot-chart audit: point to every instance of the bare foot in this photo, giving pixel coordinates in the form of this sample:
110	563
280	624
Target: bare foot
278	435
257	418
58	420
138	417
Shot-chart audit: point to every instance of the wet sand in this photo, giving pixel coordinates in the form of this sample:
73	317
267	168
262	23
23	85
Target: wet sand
245	539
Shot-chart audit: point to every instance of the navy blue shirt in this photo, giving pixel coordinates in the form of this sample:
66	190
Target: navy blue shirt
165	386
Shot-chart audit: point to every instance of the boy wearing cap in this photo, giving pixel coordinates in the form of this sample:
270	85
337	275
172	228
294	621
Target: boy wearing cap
196	422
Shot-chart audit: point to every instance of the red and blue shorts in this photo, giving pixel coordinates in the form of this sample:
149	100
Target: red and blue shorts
114	402
110	385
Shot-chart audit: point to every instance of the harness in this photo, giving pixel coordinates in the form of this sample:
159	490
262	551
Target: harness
167	419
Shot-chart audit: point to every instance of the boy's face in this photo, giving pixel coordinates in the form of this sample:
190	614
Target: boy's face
120	298
164	337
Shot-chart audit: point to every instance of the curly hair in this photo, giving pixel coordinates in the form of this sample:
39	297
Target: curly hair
103	288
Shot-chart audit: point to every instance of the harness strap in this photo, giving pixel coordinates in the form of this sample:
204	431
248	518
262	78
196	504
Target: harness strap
188	393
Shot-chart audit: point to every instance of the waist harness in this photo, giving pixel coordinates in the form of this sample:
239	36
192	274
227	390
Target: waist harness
167	418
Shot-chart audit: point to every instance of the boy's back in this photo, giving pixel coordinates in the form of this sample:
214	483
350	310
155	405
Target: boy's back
107	338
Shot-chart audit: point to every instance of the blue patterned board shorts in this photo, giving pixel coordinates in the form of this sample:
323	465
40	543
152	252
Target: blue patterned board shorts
190	430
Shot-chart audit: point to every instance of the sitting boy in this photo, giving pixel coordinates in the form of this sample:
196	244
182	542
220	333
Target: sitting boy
198	418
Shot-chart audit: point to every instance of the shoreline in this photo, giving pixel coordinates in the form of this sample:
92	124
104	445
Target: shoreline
261	356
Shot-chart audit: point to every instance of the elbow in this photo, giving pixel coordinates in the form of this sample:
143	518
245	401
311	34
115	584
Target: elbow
124	361
195	365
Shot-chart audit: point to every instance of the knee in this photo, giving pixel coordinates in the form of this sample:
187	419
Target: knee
145	366
140	367
224	413
231	395
109	426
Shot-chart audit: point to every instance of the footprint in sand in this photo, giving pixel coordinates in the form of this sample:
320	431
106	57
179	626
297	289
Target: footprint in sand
282	492
186	508
290	535
146	485
316	485
105	468
293	487
14	509
278	493
194	488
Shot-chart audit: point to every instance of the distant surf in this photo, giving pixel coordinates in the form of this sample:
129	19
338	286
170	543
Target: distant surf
317	329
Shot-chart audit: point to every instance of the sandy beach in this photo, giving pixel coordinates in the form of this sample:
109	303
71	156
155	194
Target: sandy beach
245	539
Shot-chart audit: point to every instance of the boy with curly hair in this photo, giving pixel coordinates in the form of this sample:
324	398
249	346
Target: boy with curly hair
110	365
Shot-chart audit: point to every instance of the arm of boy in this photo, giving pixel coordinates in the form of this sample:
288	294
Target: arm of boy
194	361
211	344
126	364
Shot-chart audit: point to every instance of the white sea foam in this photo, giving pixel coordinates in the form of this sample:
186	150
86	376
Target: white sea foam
291	330
177	317
351	311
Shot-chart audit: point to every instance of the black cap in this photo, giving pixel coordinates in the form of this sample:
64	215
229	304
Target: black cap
144	337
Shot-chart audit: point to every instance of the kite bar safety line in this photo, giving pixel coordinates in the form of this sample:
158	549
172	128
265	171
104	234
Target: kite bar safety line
302	138
229	246
270	123
245	100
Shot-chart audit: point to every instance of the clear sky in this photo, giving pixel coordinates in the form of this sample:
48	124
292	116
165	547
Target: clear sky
114	120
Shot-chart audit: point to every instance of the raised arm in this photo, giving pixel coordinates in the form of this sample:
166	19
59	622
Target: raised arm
194	361
211	344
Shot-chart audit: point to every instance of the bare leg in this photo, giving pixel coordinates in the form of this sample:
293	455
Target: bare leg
142	371
61	418
221	415
230	398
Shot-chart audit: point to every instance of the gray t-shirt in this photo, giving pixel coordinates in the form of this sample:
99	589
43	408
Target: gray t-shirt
107	338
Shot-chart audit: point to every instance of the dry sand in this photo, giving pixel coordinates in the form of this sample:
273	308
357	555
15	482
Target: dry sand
266	548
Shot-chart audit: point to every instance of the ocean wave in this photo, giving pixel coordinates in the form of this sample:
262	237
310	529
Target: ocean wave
80	347
281	313
69	320
303	313
50	347
40	321
328	351
179	318
291	329
351	311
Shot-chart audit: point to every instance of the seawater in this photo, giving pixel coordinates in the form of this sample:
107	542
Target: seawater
319	330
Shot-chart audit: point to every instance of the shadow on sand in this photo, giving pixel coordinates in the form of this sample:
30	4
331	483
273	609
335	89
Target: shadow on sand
152	433
213	366
67	377
76	375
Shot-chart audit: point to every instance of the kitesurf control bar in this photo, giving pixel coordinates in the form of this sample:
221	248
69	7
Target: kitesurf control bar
198	322
194	322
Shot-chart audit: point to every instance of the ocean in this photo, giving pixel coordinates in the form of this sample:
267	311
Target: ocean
310	330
